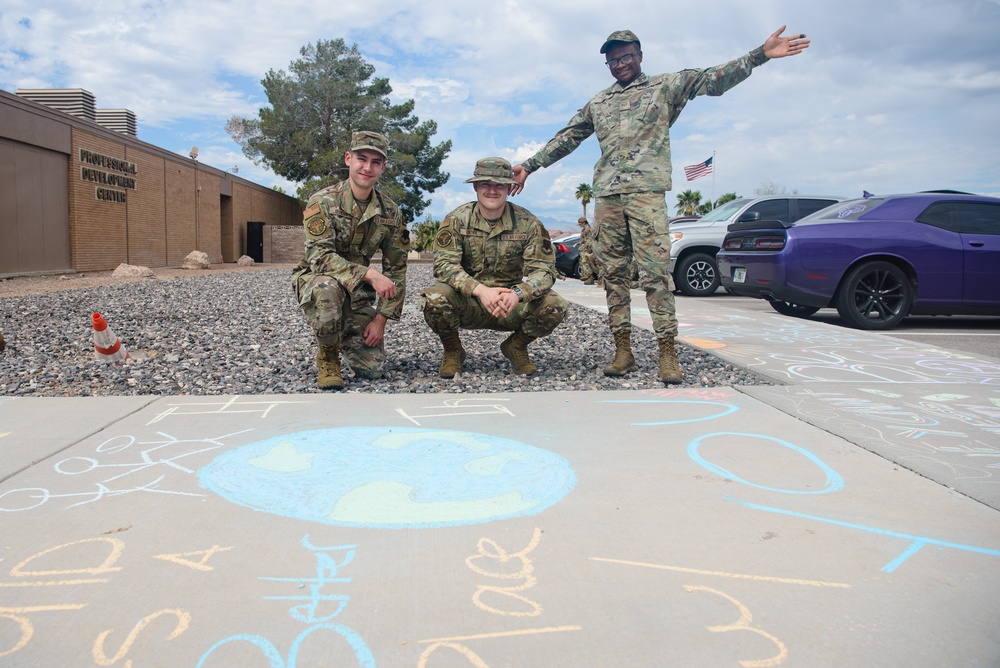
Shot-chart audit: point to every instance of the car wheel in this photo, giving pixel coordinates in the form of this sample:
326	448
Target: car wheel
875	295
794	310
575	271
697	275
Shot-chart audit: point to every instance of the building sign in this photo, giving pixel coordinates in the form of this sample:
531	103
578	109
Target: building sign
114	175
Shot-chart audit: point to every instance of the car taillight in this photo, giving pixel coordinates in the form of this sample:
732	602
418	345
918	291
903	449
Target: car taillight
770	243
733	244
561	248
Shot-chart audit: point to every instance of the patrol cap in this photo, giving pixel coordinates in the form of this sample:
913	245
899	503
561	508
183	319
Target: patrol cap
373	141
620	36
582	221
496	170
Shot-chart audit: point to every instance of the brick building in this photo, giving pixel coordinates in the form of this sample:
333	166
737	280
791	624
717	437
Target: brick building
76	195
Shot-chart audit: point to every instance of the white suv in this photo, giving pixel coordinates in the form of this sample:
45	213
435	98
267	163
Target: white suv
694	243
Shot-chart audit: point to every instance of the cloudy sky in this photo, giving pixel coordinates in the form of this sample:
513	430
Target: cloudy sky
891	96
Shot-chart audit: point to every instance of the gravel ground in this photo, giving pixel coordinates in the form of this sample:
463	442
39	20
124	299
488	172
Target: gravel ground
240	332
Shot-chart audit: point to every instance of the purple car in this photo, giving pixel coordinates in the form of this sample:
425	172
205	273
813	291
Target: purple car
876	260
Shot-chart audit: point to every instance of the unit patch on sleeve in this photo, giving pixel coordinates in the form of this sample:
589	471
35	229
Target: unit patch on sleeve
443	239
316	226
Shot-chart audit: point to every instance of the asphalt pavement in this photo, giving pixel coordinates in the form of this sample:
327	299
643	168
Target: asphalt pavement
847	515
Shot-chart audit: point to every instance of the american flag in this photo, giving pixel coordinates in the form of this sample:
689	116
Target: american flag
693	172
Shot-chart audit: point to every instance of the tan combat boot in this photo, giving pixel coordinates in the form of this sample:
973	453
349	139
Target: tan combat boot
515	348
328	361
670	370
623	362
454	355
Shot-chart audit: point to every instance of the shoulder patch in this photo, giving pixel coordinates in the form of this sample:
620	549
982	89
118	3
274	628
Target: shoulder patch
311	211
547	245
444	239
316	226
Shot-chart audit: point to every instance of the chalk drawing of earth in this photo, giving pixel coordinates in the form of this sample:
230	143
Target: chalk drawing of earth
390	478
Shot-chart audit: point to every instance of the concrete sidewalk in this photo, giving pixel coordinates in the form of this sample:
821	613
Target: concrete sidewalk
848	517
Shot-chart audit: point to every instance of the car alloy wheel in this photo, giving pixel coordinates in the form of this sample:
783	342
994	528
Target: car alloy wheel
875	295
697	275
794	310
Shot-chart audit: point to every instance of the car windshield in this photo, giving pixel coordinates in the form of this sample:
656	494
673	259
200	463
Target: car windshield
849	210
723	212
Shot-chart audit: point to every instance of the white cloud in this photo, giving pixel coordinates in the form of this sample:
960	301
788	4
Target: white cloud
904	99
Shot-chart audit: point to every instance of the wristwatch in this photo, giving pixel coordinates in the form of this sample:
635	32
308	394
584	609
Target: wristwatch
517	291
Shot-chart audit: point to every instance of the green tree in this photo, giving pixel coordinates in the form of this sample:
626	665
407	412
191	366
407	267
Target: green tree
326	95
688	202
584	193
728	197
708	206
425	232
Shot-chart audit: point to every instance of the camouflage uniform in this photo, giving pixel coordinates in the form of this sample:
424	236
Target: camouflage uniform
588	267
341	236
632	124
514	251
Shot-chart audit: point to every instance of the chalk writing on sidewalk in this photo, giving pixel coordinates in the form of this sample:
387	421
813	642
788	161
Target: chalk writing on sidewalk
97	561
493	561
916	542
234	405
153	455
457	408
318	608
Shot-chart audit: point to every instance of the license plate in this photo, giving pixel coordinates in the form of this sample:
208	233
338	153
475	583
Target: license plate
739	275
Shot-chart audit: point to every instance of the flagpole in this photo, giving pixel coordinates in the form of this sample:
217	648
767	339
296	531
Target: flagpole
713	178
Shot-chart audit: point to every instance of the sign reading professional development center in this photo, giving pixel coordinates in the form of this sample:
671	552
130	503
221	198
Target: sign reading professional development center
108	171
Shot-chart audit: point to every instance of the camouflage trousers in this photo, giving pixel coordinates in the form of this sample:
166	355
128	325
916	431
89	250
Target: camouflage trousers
329	311
634	227
588	267
447	310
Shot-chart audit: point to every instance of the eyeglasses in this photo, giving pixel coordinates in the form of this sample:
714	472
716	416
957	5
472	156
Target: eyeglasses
624	60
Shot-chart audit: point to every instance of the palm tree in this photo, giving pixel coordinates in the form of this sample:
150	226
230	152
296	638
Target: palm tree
688	202
728	197
426	231
584	193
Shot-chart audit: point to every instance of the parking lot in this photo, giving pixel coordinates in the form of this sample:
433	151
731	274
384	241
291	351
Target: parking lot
978	335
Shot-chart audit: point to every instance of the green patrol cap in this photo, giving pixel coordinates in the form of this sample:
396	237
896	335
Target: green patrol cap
493	169
620	36
373	141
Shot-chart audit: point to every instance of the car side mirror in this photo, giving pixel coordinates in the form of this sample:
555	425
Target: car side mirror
749	217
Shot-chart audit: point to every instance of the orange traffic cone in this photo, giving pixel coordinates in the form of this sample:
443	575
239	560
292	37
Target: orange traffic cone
107	347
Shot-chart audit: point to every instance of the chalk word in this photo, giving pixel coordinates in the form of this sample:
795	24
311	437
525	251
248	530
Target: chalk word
724	409
723	574
488	549
916	542
920	420
149	458
702	393
458	408
834	481
107	552
227	407
743	624
311	611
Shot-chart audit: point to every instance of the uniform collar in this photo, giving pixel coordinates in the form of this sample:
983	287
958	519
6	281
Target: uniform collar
504	224
639	80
